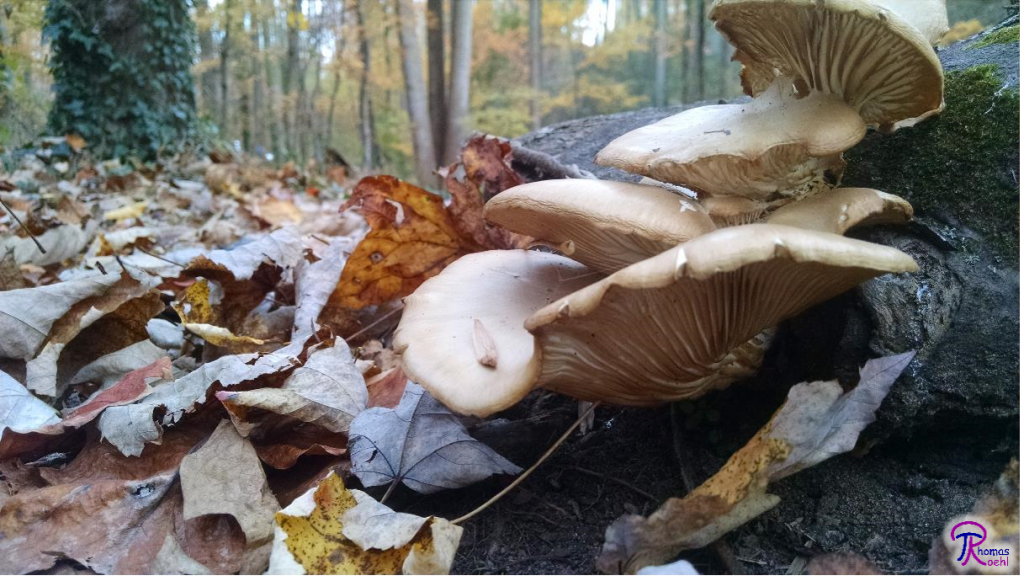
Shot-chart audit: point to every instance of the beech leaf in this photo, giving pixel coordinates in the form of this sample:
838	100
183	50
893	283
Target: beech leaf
421	444
816	422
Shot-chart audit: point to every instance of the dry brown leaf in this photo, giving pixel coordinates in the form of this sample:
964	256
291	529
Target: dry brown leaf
224	476
816	422
310	413
386	388
314	284
333	530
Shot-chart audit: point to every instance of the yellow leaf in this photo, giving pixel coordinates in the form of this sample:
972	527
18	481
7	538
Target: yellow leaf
129	212
331	530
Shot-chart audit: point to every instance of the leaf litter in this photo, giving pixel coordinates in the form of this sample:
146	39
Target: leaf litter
208	340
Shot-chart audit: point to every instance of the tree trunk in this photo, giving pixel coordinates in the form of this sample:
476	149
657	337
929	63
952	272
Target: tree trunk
660	41
458	88
291	65
684	52
724	48
535	60
416	94
273	98
207	52
367	131
699	18
125	90
225	56
339	51
435	72
256	116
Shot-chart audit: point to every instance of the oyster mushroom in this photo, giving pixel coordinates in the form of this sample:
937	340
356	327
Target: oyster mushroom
871	53
604	225
844	208
679	324
462	337
780	145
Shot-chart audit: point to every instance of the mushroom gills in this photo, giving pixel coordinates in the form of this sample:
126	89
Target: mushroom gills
688	320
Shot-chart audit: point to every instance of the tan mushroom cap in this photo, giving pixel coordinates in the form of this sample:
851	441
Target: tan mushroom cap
844	208
679	324
728	211
862	50
462	337
778	145
604	225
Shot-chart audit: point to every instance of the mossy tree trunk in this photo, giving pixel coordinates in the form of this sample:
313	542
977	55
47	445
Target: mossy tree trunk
122	74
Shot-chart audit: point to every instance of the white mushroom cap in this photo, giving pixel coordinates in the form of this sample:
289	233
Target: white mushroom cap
462	337
680	323
861	50
604	225
844	208
778	145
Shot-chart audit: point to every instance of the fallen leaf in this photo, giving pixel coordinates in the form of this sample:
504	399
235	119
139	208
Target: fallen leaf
61	243
282	248
845	563
421	444
816	422
224	476
336	531
20	411
112	367
386	389
315	283
311	412
129	427
128	212
77	142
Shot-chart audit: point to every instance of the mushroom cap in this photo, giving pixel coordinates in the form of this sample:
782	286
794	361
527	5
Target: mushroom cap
728	211
462	337
779	144
678	324
861	50
604	225
844	208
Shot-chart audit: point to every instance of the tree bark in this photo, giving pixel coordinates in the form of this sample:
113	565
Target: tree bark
435	72
225	55
208	86
272	98
367	130
699	48
535	60
458	88
291	65
660	41
416	94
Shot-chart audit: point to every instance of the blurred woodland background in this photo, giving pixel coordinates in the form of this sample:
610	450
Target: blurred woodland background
389	85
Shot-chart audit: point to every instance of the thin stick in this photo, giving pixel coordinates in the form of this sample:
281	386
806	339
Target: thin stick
529	470
620	481
158	257
23	227
387	493
720	546
373	324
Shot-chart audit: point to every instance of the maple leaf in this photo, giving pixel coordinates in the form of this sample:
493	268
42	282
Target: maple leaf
413	235
332	530
816	422
421	444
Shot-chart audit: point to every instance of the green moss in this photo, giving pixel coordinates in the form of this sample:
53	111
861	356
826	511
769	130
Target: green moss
961	164
1001	36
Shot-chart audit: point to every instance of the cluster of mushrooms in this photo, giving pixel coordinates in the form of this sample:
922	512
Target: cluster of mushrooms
647	295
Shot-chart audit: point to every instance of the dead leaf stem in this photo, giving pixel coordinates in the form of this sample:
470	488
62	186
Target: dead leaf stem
22	224
529	470
720	546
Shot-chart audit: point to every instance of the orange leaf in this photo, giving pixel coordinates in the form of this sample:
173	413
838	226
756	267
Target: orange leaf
411	238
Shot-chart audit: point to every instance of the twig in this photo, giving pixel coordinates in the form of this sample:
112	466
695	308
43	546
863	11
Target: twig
167	260
387	493
373	324
546	164
529	470
720	546
639	491
22	224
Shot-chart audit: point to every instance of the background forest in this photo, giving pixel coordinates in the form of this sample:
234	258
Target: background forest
390	85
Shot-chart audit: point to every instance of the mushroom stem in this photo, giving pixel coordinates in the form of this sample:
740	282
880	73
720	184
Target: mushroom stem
529	470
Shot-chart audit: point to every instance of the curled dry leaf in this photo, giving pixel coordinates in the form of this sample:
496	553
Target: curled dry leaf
20	411
314	284
129	427
311	412
413	235
336	531
39	323
816	422
421	444
224	476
